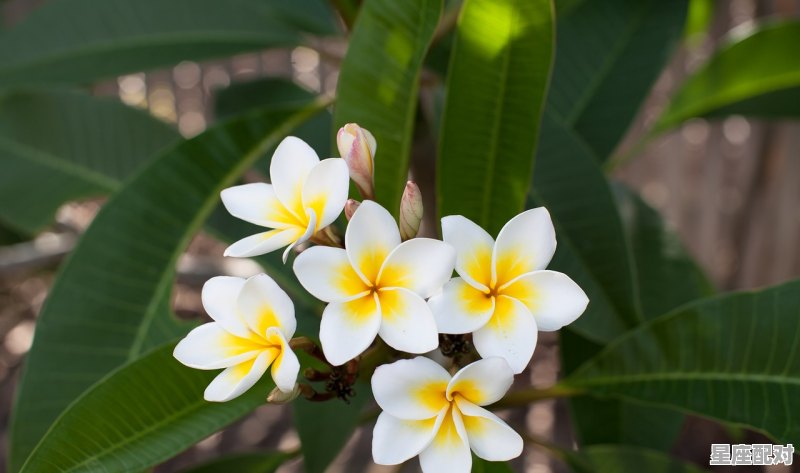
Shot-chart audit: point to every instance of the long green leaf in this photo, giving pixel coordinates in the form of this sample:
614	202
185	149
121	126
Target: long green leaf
325	427
110	301
608	55
735	358
71	144
379	81
625	459
496	86
243	463
138	416
758	75
70	41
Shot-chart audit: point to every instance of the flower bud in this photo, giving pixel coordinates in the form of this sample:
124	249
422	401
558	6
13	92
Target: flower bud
280	397
350	208
357	146
410	211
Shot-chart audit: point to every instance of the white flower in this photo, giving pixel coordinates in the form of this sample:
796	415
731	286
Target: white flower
504	294
376	286
306	195
253	321
439	418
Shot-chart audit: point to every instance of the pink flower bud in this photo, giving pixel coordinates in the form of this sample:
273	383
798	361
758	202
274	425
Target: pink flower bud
350	208
410	211
357	146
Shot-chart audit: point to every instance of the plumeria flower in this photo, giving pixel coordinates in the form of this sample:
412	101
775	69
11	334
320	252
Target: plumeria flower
357	146
503	293
306	195
439	418
378	285
253	321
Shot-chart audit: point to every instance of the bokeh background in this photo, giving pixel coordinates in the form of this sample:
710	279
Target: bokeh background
730	188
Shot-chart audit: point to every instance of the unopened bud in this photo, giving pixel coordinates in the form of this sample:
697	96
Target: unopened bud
280	397
357	146
410	211
350	208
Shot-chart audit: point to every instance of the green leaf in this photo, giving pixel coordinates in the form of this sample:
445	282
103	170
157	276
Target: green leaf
608	55
593	247
625	459
325	427
70	41
379	81
138	416
72	144
769	84
735	358
496	85
243	463
111	299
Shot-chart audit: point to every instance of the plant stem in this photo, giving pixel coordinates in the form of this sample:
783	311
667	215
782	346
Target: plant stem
526	396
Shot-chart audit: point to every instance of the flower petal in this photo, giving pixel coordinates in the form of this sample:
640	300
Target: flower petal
290	166
348	328
397	440
489	436
526	243
422	265
257	203
210	347
552	297
234	381
263	304
411	389
219	299
511	334
325	190
460	308
449	450
309	232
473	249
286	366
482	382
262	243
326	273
371	235
407	323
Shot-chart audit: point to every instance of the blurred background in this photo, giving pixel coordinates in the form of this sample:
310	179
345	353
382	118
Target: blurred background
729	188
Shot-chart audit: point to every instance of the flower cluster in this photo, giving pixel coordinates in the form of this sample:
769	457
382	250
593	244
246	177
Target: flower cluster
383	281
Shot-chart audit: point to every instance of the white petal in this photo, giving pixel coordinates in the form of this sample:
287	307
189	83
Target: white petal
219	299
460	308
288	171
422	265
309	232
482	382
552	297
263	304
473	249
510	334
449	450
489	437
257	203
286	366
526	243
210	347
348	328
326	273
325	190
407	323
262	243
234	381
371	235
411	389
397	440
